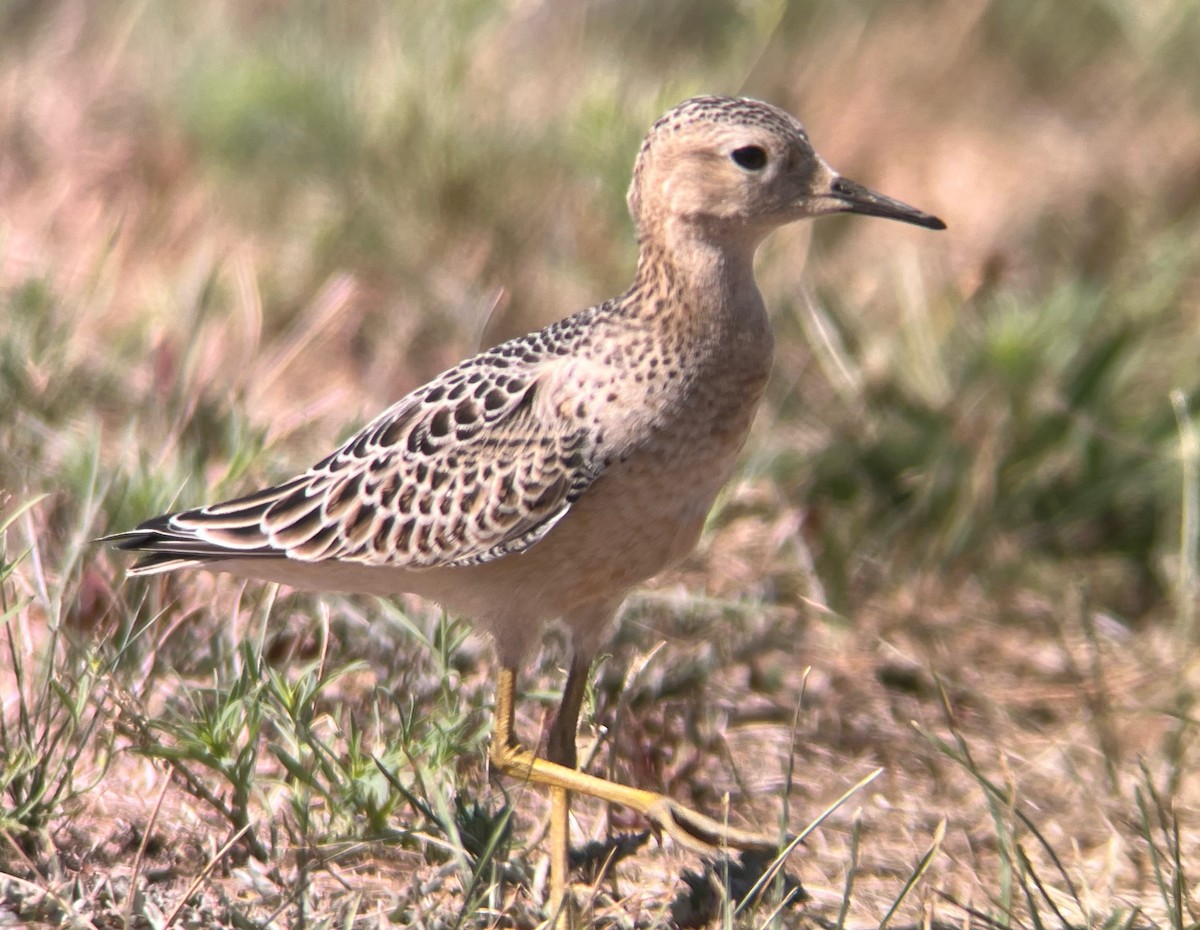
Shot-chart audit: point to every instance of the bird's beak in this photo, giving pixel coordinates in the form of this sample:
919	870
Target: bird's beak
850	197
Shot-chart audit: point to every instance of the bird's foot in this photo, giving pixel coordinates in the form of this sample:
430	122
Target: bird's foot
701	833
691	829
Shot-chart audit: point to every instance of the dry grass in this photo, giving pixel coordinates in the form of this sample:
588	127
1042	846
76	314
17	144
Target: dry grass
230	232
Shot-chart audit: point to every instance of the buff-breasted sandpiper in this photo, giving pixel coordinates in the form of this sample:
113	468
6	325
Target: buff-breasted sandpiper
548	476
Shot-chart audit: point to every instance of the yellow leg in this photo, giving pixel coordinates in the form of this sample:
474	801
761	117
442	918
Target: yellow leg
561	907
690	829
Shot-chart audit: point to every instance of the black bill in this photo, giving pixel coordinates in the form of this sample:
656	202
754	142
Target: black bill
859	199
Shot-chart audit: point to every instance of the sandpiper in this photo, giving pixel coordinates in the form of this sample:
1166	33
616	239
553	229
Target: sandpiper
545	478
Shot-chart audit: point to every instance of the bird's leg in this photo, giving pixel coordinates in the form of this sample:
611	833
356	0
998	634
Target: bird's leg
560	746
689	828
560	750
511	758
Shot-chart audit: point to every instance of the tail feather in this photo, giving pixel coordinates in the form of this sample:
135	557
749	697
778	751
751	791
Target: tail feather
165	546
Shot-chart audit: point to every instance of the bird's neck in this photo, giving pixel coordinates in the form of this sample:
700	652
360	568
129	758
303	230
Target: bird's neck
700	275
703	300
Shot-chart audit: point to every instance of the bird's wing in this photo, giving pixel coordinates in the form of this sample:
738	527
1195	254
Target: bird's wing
479	463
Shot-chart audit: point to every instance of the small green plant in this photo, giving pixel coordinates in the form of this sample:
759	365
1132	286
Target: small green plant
54	745
1159	823
219	731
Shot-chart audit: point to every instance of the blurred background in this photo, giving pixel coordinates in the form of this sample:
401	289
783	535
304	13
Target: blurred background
232	222
230	232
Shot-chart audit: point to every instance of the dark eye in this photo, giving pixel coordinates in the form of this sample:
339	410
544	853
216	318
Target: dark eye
750	157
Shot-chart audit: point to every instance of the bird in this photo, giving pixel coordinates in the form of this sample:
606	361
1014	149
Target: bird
543	479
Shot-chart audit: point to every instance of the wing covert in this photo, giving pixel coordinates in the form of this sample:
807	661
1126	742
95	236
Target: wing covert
462	471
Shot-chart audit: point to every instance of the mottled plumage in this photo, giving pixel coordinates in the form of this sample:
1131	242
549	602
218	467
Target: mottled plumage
468	468
546	477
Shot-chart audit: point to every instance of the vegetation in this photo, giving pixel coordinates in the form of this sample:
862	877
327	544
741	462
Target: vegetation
962	548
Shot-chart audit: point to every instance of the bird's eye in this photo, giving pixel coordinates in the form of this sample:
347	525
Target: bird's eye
750	157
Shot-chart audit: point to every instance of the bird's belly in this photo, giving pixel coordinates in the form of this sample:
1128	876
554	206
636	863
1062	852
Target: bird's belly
644	514
630	526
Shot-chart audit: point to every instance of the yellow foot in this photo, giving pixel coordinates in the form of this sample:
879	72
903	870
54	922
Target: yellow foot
703	834
687	827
